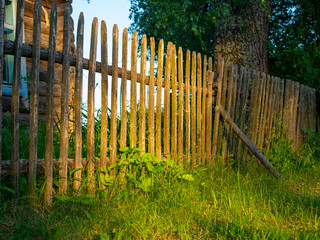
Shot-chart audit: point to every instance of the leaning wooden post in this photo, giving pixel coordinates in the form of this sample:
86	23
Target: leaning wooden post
34	97
114	96
48	165
78	105
256	152
159	96
2	5
15	97
90	113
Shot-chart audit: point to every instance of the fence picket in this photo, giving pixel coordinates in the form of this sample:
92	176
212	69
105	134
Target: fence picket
48	165
199	98
220	70
123	112
159	99
187	112
209	106
142	110
78	105
260	137
15	97
151	99
133	89
114	96
64	138
174	103
181	105
34	97
203	112
166	120
90	113
193	108
104	96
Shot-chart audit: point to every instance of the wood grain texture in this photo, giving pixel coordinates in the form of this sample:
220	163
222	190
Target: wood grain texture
78	104
34	97
209	106
159	100
203	111
104	96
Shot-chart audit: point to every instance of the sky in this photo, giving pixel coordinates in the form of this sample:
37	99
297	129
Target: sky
112	12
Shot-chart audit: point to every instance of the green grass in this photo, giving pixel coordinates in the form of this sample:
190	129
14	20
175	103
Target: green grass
221	203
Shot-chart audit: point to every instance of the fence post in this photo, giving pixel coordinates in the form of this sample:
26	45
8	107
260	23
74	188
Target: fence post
123	130
174	103
114	96
199	96
203	111
34	97
151	99
193	108
104	96
208	131
133	89
181	106
142	110
15	97
188	127
166	120
78	105
159	96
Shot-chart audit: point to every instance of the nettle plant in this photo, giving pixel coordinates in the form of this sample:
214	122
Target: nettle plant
142	170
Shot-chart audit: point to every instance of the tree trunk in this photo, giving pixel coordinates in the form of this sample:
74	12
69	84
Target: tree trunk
241	35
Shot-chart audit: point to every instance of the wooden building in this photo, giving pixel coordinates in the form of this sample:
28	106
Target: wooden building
10	19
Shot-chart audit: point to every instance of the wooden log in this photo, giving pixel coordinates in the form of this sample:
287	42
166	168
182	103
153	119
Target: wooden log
187	113
114	97
256	152
64	136
34	98
151	99
209	106
203	111
174	103
2	5
123	130
15	97
166	120
78	104
159	99
133	89
193	108
142	110
181	105
199	97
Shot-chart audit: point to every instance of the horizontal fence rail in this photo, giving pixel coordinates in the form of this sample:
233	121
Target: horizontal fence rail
178	117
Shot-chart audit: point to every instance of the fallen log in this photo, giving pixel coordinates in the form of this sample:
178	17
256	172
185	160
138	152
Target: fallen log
256	152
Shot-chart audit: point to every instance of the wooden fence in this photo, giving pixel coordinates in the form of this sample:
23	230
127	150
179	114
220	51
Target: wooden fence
191	133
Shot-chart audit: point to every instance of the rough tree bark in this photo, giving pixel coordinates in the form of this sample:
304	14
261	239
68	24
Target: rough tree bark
241	34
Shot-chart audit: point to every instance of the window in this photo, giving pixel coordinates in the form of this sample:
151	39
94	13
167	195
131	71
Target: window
9	34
